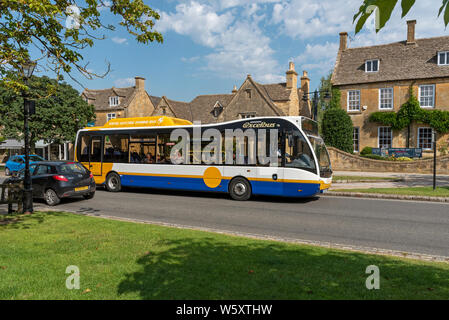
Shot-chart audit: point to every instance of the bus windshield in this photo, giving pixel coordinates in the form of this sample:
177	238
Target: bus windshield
297	152
322	155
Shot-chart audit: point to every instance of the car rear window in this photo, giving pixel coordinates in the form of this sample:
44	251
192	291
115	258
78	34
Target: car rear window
72	168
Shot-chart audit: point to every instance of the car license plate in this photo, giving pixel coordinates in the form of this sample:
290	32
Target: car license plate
81	188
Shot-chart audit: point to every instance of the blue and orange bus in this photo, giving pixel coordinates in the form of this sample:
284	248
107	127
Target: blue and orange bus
135	152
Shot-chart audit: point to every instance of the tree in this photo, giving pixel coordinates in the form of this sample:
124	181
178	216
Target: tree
57	119
337	129
386	7
60	29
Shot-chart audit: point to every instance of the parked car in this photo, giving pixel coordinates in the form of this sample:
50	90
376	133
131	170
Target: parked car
17	163
54	180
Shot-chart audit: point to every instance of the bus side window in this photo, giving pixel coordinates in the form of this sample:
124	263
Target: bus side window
115	148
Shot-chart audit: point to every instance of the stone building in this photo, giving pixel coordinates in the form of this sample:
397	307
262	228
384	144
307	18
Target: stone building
378	78
252	99
120	102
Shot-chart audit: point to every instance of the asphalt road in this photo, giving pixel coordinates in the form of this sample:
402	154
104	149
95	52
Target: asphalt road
419	227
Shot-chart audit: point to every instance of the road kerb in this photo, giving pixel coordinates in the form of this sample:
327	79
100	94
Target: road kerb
385	196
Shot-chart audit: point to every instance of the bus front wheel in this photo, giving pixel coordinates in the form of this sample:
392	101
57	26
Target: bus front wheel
240	189
113	183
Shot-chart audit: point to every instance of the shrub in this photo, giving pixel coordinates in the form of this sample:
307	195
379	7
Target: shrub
403	159
338	129
366	150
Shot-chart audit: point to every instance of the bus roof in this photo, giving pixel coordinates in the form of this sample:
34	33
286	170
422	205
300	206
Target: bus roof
160	121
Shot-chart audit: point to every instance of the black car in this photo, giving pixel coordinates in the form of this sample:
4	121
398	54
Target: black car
53	180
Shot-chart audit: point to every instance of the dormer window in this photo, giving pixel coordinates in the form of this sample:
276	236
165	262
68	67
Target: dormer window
443	58
113	101
372	65
218	108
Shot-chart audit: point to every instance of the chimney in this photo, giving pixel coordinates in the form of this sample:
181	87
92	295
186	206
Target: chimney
411	31
305	82
343	41
140	83
235	89
292	76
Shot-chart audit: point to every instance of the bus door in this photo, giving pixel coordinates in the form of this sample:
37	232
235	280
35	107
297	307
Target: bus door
95	147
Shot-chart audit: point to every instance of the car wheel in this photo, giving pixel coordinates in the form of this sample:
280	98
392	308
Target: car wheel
51	198
113	183
89	195
7	172
240	189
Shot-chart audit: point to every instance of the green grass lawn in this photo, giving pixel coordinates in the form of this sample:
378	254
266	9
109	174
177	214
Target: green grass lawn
412	191
124	260
360	178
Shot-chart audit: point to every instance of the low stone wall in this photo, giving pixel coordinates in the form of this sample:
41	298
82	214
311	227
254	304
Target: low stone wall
343	161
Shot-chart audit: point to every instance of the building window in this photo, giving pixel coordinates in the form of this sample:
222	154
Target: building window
248	93
354	100
111	116
113	101
385	137
356	139
247	115
164	110
372	65
386	98
425	139
443	58
427	96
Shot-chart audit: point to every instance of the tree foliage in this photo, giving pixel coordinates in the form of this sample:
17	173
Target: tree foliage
385	9
337	129
57	118
58	30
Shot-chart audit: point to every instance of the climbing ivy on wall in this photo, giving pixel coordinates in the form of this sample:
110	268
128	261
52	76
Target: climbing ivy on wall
409	112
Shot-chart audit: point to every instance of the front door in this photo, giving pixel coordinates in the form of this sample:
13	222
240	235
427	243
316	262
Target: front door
95	147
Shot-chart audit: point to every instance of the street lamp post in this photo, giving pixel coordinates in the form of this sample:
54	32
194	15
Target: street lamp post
316	95
27	70
434	142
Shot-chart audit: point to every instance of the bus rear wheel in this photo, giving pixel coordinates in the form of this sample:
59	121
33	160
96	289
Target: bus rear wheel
113	183
240	189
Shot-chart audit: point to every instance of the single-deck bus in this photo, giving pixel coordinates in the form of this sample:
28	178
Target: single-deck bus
279	156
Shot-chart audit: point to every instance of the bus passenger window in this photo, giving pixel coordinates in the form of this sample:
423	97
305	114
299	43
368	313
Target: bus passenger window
115	149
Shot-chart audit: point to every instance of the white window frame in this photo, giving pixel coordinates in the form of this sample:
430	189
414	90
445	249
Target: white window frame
380	99
358	139
371	61
347	101
378	136
433	95
247	115
446	63
111	116
114	101
419	136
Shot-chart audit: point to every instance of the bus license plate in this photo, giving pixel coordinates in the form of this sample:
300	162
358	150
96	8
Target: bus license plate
81	188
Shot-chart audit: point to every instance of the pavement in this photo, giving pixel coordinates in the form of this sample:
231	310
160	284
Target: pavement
403	180
341	222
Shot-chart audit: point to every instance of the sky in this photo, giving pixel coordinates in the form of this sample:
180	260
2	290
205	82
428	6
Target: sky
210	46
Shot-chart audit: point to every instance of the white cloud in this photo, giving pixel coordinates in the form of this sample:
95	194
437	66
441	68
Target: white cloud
119	40
124	82
196	20
239	46
190	60
319	57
